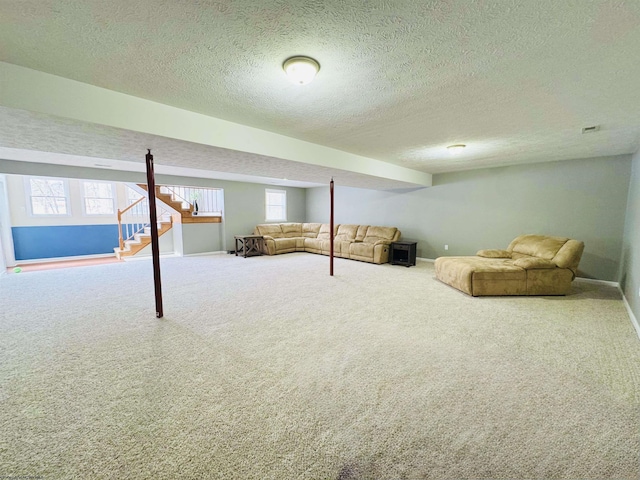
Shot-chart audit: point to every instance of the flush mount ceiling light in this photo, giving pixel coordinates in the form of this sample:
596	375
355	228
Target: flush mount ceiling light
301	70
456	149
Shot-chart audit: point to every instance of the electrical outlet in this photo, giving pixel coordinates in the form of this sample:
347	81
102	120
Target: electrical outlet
446	247
639	292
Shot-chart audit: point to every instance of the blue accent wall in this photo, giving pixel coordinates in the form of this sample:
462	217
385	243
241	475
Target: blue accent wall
63	241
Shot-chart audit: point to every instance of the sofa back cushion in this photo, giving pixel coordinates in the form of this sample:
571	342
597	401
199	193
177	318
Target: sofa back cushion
346	233
310	230
385	234
290	230
361	233
539	246
269	230
324	231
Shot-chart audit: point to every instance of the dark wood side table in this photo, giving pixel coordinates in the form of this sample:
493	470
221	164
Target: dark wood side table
403	253
249	245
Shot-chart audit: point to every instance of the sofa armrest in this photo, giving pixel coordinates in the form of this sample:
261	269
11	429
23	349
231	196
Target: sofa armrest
533	262
494	253
267	237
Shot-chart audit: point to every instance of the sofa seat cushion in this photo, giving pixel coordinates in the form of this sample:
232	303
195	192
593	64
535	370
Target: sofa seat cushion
341	248
282	244
361	249
313	245
482	276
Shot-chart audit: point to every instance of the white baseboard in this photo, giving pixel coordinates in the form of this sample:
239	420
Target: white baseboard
137	258
203	254
634	320
63	259
632	317
430	260
598	282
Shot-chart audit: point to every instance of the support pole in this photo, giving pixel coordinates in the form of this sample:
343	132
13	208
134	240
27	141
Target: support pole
153	218
331	229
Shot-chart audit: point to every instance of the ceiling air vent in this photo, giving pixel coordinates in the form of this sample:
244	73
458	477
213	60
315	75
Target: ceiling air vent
592	129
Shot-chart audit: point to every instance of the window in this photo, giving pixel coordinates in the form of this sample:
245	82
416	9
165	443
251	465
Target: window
48	196
141	208
276	205
98	198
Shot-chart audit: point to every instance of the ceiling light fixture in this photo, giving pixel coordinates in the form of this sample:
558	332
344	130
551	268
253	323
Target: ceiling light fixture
456	149
301	70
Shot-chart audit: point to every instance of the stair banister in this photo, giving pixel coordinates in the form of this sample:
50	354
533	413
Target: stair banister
120	213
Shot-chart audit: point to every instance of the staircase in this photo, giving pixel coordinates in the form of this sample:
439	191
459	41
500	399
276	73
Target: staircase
134	230
133	222
168	198
181	205
141	239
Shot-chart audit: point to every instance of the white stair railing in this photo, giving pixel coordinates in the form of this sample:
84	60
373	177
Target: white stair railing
134	220
203	201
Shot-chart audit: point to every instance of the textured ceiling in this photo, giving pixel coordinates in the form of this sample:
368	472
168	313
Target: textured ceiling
399	81
99	146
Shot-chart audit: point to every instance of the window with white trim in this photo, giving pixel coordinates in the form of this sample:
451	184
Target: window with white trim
141	208
98	198
276	205
48	196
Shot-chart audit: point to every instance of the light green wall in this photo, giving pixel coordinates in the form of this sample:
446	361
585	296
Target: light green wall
244	203
242	210
202	238
583	199
630	269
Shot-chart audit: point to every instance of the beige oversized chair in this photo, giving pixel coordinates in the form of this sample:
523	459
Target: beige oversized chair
531	265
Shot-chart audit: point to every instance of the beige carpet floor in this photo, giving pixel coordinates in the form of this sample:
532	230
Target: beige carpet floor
267	368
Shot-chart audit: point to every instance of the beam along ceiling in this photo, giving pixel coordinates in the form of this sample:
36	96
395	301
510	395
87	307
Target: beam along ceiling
399	80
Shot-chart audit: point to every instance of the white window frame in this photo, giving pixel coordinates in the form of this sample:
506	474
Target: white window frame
141	209
29	193
283	193
84	199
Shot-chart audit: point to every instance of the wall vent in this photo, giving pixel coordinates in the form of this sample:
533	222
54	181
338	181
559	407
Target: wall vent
592	129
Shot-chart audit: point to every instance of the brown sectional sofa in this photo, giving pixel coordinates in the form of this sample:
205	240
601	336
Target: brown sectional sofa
531	265
358	242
